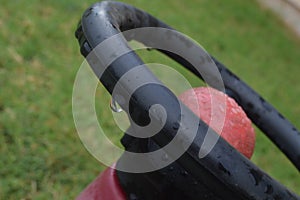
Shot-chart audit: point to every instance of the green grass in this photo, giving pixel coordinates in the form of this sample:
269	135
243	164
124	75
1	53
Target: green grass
41	154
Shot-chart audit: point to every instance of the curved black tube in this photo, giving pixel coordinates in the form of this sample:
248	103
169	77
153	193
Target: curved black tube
238	178
267	118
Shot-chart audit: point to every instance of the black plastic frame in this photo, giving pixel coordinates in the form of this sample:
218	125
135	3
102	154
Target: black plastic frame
240	178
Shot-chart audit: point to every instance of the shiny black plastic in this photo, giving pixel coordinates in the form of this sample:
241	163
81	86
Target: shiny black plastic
224	171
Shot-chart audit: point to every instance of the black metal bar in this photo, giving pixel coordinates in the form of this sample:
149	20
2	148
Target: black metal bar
224	170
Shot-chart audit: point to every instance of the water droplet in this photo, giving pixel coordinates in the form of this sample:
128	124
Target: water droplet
176	126
221	167
115	106
235	111
256	175
222	109
171	168
133	196
269	189
158	112
243	121
184	173
165	157
183	126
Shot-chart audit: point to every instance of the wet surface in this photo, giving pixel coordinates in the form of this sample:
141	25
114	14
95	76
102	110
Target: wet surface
257	176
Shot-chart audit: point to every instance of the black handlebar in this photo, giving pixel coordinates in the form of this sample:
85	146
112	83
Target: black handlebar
238	178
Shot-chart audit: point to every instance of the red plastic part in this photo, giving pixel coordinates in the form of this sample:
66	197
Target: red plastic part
237	128
105	187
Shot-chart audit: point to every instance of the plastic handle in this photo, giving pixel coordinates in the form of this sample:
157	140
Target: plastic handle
238	178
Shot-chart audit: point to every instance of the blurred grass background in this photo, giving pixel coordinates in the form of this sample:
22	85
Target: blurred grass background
41	156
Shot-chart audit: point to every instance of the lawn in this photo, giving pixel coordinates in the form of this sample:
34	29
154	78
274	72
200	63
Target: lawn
41	154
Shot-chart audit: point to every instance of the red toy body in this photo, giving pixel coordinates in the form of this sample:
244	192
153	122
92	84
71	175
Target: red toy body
105	187
237	128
